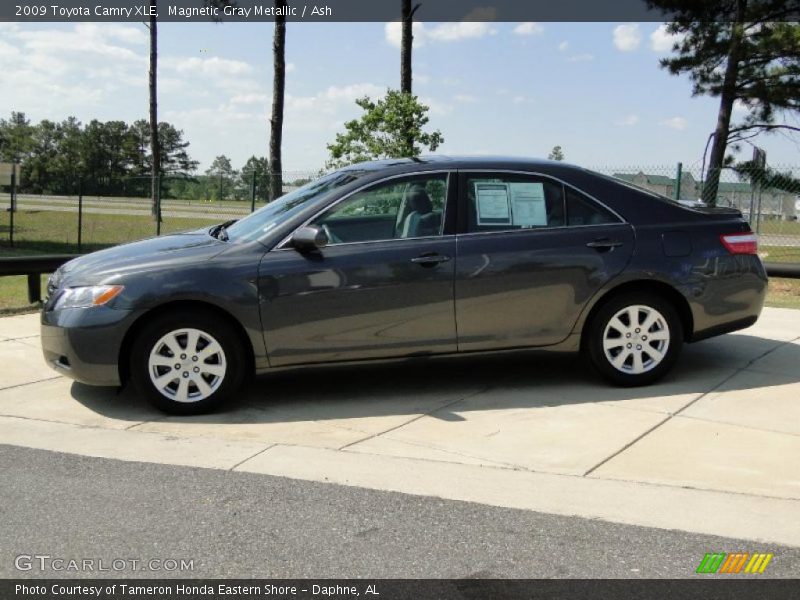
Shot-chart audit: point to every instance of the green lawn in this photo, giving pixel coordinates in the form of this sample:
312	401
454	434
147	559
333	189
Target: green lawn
784	293
14	295
782	227
781	254
41	232
57	232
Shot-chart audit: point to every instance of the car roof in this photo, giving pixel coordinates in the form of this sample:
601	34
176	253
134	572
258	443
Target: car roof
459	162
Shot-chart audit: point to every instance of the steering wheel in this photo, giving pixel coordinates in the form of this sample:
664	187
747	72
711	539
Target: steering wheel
332	237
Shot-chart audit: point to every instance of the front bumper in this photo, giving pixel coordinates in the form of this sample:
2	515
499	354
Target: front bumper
85	343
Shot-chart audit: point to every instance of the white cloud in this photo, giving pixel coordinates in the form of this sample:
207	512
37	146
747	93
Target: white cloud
581	57
443	32
436	108
52	72
740	108
465	99
290	67
563	46
213	66
662	41
326	109
529	28
250	99
627	37
451	32
628	121
677	123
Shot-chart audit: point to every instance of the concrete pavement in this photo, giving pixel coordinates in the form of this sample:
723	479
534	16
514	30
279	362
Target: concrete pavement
712	449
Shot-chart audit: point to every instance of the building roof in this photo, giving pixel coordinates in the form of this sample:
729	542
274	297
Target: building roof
649	178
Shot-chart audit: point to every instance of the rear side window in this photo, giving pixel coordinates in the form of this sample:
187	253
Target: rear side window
513	202
585	211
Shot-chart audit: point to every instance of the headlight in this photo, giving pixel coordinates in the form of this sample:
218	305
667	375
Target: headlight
85	297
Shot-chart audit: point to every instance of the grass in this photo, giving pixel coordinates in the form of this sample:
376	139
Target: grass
57	232
781	227
42	232
779	254
14	295
783	293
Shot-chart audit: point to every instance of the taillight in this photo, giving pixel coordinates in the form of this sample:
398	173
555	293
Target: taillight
740	243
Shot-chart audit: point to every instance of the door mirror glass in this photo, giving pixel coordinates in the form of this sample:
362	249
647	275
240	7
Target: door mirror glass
310	238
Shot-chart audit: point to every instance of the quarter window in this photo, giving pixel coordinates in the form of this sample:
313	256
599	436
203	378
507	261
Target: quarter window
397	209
584	211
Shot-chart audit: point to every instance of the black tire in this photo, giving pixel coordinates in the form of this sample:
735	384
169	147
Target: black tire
629	344
231	362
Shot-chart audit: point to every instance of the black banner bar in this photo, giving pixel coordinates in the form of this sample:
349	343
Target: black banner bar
711	588
342	10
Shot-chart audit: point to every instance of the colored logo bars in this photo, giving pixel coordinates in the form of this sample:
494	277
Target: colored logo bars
740	562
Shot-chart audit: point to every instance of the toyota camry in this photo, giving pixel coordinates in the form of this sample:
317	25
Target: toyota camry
405	258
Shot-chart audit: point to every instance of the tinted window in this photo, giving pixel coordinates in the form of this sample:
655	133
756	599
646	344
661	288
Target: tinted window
400	208
513	202
273	214
585	211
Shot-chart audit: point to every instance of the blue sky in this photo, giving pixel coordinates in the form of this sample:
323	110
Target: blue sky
493	88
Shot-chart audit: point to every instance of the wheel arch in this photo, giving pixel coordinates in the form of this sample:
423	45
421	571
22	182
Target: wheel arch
660	288
123	359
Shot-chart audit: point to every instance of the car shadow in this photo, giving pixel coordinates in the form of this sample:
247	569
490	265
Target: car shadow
440	386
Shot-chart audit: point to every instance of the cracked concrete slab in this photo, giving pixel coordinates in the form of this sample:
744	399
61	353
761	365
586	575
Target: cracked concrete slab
19	326
712	456
21	364
44	401
126	445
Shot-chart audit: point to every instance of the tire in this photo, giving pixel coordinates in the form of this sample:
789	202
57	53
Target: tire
210	363
622	351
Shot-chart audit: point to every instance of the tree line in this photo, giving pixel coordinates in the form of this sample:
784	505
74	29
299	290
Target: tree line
115	158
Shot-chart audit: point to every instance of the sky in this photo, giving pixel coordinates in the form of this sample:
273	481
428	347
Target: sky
595	89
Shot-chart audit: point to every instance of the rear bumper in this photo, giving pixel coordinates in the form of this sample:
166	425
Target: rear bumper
85	343
729	299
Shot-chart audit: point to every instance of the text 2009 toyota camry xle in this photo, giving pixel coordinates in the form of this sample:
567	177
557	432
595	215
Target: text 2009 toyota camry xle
408	258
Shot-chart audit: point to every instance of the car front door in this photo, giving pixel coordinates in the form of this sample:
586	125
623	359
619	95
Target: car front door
532	252
381	288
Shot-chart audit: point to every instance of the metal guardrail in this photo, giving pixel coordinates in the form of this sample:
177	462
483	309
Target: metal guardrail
789	270
33	267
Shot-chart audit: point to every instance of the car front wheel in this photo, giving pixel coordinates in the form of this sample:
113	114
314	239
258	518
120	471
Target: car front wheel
187	363
634	339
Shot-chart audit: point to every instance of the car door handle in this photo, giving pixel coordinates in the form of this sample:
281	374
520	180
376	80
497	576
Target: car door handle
430	259
604	244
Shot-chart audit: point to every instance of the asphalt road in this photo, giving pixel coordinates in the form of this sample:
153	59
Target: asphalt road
244	525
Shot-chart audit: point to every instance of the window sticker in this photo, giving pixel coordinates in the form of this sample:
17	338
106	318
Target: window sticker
528	205
494	207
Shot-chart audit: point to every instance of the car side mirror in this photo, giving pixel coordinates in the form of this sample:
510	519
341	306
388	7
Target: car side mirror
309	238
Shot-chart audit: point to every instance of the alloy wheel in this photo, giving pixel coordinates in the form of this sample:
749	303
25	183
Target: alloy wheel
187	365
636	339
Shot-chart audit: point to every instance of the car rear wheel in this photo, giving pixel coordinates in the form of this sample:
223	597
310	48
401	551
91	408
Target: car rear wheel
634	339
187	363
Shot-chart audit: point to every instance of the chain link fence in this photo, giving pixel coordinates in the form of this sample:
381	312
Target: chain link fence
83	216
768	197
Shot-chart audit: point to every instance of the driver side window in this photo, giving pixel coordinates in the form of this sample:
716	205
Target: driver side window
397	209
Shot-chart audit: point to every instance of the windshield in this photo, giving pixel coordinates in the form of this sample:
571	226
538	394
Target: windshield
273	214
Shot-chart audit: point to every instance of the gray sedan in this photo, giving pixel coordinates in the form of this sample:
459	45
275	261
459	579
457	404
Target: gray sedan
400	259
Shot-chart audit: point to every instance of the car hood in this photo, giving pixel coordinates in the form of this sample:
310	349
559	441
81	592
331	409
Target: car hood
168	251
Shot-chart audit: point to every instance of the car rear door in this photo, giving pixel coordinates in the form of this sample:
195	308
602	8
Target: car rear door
377	290
532	252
